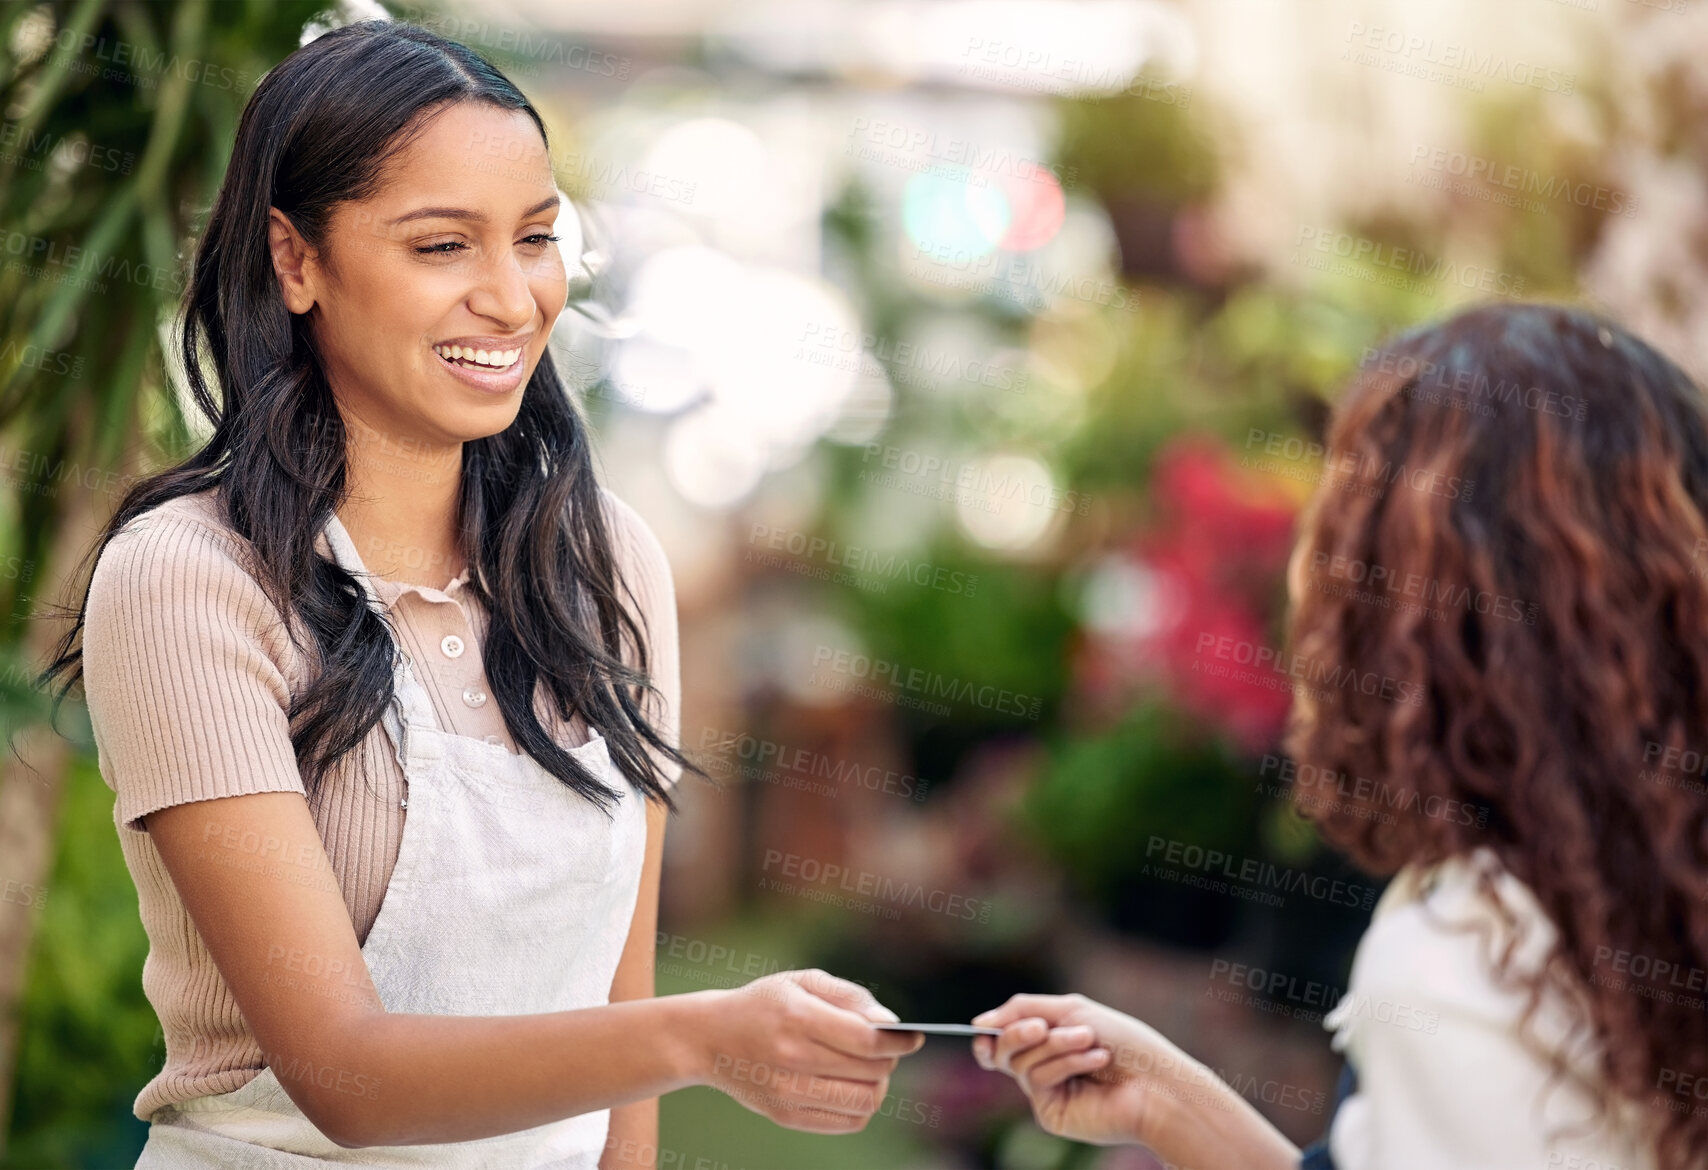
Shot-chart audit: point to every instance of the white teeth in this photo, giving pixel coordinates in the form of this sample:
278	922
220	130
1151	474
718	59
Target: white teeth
496	359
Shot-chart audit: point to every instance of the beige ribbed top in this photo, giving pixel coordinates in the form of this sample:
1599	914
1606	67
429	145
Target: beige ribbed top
189	673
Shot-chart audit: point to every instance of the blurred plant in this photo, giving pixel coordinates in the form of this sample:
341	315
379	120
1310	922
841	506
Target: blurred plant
1174	763
1208	570
119	118
1157	774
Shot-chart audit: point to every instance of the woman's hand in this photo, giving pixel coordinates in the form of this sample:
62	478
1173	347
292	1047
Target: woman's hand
799	1048
1096	1075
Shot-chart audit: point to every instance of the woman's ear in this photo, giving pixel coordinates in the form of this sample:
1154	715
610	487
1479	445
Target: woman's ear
292	262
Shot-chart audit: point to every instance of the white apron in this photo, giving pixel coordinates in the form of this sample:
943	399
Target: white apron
512	895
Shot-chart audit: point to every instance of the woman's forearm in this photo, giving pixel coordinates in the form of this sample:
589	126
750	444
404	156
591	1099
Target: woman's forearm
632	1141
401	1079
1206	1125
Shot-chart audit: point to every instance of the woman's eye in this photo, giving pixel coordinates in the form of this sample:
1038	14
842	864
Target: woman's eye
445	248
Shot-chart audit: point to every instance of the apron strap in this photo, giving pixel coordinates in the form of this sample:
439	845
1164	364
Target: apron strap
411	706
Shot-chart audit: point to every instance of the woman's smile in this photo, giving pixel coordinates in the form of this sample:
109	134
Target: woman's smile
494	364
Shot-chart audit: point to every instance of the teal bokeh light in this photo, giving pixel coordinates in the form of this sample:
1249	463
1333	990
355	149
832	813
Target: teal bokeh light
962	213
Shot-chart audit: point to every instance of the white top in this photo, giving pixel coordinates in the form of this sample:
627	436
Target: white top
1444	1081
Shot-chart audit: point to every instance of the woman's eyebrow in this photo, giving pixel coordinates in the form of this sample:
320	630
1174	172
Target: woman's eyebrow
471	216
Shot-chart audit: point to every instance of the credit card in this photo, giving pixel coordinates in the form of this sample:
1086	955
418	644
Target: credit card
940	1029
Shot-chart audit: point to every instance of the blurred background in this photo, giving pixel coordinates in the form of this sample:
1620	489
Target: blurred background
965	356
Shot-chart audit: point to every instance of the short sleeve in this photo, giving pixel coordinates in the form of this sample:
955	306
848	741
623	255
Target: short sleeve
183	671
646	571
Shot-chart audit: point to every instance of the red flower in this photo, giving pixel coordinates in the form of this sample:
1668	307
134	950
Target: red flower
1197	591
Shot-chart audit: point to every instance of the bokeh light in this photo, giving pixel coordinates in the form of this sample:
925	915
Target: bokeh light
964	214
1007	501
1038	208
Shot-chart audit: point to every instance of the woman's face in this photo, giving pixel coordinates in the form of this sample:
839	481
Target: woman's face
433	299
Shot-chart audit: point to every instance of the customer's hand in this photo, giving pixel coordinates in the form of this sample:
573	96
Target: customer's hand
799	1048
1091	1073
1096	1075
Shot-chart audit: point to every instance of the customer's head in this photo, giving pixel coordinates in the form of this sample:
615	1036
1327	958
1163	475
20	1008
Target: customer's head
1505	576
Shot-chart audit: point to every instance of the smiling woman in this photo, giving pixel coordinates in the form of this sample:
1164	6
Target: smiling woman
383	912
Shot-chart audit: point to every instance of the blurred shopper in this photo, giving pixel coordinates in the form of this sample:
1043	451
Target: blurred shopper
1531	991
386	684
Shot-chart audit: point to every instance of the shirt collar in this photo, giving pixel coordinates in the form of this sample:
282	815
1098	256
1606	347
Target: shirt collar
335	539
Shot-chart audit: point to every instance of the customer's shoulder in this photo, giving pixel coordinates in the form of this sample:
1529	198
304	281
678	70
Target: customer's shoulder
1448	929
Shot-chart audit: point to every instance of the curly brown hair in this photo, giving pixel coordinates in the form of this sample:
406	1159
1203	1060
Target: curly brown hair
1514	518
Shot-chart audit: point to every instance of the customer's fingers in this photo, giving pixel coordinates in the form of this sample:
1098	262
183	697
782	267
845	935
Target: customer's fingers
1048	1075
1017	1038
1059	1042
1050	1008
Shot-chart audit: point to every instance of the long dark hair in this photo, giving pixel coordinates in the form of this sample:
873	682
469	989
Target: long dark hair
316	133
1549	519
